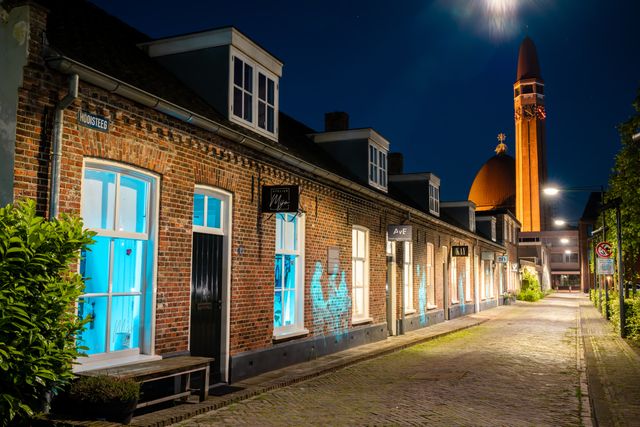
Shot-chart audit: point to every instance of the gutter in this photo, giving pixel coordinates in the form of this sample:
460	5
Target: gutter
56	144
113	85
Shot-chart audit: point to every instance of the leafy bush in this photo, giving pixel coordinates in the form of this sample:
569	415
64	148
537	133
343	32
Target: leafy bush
102	389
38	323
632	315
530	288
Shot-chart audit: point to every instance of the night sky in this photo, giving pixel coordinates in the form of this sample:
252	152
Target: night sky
435	77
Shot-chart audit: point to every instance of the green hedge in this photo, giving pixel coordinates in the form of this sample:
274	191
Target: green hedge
632	312
530	288
38	322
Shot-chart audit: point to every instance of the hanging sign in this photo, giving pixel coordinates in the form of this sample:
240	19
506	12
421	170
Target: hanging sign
514	266
503	259
605	266
459	250
604	250
93	121
487	256
333	259
280	198
399	233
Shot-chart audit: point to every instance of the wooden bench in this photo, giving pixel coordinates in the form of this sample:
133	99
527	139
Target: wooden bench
182	366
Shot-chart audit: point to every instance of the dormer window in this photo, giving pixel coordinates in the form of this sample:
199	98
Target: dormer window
259	112
377	167
434	198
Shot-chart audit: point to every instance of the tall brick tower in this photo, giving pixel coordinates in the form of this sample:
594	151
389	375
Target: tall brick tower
531	159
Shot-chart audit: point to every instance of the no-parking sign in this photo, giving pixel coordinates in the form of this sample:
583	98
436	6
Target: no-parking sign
604	250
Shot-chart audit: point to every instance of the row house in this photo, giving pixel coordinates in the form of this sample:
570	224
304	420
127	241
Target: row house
225	228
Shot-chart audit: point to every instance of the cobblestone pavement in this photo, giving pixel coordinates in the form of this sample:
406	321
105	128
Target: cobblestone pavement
516	370
613	371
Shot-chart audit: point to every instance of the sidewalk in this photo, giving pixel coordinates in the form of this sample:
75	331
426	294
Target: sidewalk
303	371
613	371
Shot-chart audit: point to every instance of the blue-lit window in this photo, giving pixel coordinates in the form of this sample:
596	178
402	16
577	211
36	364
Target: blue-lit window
118	267
207	213
288	274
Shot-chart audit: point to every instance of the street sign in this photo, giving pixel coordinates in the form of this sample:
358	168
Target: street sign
606	266
604	250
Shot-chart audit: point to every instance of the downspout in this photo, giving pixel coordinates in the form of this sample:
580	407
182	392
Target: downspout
56	144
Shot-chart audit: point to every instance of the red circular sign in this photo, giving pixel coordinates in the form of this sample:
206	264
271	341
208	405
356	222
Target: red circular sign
603	250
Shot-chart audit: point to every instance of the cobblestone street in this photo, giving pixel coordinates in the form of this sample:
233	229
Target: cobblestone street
518	369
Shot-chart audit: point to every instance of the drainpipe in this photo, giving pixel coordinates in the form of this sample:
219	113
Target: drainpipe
56	144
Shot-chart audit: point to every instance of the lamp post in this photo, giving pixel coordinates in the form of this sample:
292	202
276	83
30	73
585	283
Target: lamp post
604	207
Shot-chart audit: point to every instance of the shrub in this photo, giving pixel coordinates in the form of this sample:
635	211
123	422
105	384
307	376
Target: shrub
102	389
38	322
530	288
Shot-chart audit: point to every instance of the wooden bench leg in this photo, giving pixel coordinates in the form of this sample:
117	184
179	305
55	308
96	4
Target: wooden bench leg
204	391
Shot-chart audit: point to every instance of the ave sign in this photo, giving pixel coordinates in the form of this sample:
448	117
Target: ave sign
399	233
604	250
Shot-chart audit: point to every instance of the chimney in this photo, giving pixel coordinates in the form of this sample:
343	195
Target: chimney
396	163
337	120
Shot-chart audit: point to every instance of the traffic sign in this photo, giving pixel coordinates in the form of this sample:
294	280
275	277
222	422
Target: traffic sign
604	250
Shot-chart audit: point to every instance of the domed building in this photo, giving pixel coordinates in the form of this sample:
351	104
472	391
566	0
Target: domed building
494	186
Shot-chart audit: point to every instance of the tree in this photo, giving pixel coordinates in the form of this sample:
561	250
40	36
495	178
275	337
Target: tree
38	320
624	183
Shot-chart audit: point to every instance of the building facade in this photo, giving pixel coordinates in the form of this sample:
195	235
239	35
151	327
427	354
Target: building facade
225	228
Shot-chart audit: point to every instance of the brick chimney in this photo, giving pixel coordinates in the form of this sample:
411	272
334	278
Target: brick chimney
335	121
396	163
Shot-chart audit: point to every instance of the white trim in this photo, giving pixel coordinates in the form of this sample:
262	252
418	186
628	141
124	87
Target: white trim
361	321
407	273
257	69
351	135
298	327
365	286
226	231
213	38
292	334
147	338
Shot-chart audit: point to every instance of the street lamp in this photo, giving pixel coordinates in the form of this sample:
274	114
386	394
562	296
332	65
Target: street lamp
559	222
614	204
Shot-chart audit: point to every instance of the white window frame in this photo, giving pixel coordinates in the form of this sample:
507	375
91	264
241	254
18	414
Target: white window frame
467	280
378	164
364	315
208	192
407	276
297	328
434	198
431	284
257	70
146	349
453	280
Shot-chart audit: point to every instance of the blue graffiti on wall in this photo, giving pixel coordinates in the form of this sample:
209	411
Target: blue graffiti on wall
422	295
330	314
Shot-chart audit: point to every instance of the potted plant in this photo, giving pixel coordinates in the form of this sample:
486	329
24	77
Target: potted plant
105	397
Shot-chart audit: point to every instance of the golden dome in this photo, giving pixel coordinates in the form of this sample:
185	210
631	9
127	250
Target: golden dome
495	184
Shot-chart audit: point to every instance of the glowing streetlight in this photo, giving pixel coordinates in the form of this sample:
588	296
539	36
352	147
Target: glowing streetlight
559	222
564	240
550	191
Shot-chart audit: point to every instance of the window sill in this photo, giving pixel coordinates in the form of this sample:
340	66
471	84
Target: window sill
361	321
431	307
288	335
410	311
86	364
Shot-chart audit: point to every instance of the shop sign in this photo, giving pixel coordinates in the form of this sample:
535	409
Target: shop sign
280	198
488	256
93	121
514	266
503	259
459	250
605	266
399	233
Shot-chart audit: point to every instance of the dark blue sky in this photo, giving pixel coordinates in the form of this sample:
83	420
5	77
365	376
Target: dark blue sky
435	77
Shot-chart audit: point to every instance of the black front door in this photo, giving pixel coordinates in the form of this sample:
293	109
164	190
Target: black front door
206	299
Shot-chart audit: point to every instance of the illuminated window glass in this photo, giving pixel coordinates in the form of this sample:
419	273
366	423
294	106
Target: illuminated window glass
118	266
288	274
